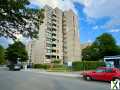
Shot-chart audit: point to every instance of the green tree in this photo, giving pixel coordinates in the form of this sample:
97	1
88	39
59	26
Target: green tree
104	45
16	17
2	55
90	54
15	51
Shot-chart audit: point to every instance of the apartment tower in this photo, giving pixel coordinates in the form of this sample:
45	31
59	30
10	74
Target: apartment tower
58	38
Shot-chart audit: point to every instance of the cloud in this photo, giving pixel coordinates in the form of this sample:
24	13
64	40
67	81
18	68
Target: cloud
115	30
114	23
24	40
5	41
92	8
62	4
101	8
95	27
89	41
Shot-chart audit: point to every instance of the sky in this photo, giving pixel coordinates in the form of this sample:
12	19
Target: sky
94	17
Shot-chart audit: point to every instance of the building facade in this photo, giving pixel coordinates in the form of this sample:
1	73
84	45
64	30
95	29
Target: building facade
58	38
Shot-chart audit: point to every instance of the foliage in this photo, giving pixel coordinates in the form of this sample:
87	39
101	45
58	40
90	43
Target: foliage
77	66
58	66
2	55
86	65
41	66
51	67
90	54
104	45
16	17
56	62
15	51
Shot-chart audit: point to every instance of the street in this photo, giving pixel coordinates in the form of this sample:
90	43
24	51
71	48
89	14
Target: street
24	80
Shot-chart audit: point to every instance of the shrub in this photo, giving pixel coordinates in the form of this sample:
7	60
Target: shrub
86	65
56	62
41	66
58	66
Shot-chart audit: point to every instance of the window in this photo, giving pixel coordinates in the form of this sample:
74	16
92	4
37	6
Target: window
53	56
108	70
53	39
53	29
54	51
53	34
47	56
54	15
54	20
100	70
54	24
57	57
53	45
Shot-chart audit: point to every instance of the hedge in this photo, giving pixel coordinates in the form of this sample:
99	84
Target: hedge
77	66
86	65
47	66
41	66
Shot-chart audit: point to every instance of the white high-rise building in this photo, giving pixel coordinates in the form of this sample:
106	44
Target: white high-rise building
58	38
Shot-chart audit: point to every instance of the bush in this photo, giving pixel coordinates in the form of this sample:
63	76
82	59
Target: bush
58	66
86	65
56	62
41	66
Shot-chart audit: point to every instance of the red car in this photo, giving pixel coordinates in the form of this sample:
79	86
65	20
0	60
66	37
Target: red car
103	73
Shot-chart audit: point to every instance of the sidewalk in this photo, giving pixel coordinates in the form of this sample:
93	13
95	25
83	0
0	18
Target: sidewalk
65	74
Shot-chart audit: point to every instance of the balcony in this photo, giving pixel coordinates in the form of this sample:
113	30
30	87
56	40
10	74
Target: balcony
48	48
53	45
53	29
54	24
53	34
53	39
55	48
47	56
53	51
54	15
54	20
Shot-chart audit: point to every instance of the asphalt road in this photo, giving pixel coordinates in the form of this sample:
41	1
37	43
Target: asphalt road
23	80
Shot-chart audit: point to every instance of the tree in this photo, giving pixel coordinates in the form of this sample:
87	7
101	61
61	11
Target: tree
2	55
104	45
16	17
15	51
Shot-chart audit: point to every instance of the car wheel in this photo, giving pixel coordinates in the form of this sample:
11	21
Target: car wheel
88	78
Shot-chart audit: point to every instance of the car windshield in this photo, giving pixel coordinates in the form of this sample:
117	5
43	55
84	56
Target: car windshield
100	70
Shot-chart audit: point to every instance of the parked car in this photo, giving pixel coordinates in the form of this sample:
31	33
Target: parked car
17	67
102	73
14	67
